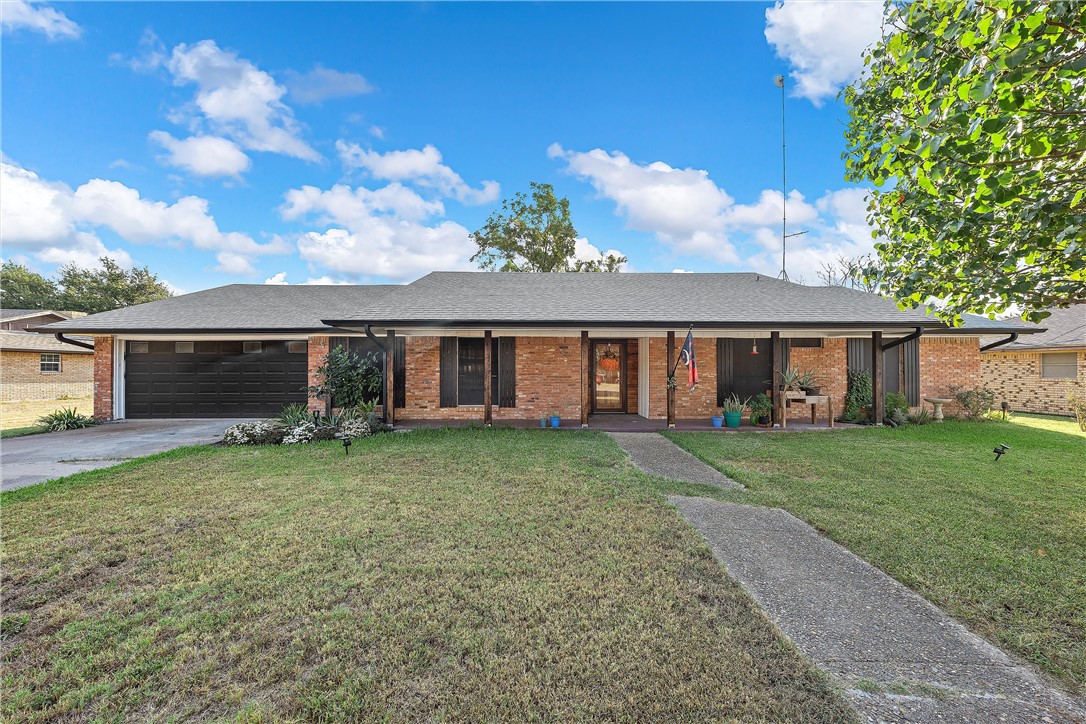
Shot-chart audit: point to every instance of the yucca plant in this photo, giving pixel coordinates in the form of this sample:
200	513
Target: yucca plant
66	419
294	415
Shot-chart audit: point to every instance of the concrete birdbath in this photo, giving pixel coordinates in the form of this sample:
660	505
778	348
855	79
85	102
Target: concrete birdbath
937	403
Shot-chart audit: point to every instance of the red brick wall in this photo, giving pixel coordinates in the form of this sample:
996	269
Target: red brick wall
548	380
701	403
103	378
317	349
948	361
830	364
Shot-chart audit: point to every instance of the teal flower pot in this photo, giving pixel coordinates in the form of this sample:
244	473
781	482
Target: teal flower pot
732	419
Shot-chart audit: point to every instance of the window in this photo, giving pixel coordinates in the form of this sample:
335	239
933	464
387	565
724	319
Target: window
50	362
252	347
296	347
184	347
138	347
1059	365
469	372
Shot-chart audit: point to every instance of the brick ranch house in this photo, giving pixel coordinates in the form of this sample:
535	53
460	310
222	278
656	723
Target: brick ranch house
496	346
1036	374
33	367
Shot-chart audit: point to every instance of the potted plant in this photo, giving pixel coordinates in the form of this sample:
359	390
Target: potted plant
556	419
761	410
732	410
717	420
543	421
790	379
810	383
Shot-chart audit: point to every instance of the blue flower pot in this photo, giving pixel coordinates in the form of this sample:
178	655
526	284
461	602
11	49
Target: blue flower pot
555	421
718	421
732	419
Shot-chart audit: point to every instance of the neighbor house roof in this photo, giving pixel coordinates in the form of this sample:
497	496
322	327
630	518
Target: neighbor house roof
13	341
8	315
1064	329
504	299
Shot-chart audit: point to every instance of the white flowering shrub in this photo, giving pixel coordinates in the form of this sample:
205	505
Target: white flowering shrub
252	433
302	432
355	428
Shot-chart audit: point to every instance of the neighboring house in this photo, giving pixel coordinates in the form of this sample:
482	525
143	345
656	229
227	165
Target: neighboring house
511	346
20	319
35	367
1036	373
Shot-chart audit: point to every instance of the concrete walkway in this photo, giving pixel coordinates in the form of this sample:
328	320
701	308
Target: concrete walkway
656	455
36	458
898	657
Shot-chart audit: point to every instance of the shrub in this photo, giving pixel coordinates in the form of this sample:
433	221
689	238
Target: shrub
896	402
66	419
293	415
302	432
920	417
975	402
355	428
253	433
345	380
1076	402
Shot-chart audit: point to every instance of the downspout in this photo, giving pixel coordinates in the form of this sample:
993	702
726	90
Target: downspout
61	338
384	367
894	343
999	343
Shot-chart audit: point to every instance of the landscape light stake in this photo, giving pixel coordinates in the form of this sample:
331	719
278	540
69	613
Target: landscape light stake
1000	450
346	446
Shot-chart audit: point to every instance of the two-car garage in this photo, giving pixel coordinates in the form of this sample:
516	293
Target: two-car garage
222	378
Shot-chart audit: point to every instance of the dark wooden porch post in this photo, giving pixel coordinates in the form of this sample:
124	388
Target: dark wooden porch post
670	387
488	366
777	357
586	379
878	399
390	373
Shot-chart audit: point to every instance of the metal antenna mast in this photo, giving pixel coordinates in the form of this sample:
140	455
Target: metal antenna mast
779	82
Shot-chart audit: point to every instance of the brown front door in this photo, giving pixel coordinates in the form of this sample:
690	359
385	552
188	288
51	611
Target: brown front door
609	376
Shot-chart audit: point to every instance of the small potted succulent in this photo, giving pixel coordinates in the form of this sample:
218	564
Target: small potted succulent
732	410
810	383
556	419
761	410
717	420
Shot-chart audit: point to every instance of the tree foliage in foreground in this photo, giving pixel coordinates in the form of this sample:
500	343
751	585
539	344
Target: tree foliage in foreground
80	289
535	237
971	121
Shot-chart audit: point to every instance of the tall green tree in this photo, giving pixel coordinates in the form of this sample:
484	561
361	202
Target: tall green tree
535	236
21	288
107	287
970	120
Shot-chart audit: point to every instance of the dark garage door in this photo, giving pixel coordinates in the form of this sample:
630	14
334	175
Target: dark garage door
213	379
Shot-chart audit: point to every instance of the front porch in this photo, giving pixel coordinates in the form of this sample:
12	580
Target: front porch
625	423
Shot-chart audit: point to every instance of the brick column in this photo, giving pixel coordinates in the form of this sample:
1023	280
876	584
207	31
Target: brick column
103	378
318	349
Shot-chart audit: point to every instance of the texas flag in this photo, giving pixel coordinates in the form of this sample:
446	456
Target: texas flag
688	359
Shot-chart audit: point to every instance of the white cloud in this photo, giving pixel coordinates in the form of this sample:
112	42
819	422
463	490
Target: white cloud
682	207
238	100
377	132
83	249
823	41
584	251
321	84
52	221
277	279
389	232
280	279
422	166
16	14
691	215
203	155
235	264
681	271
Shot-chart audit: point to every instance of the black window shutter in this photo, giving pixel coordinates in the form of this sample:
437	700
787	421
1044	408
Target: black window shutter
505	384
448	372
859	354
723	369
911	360
786	353
399	378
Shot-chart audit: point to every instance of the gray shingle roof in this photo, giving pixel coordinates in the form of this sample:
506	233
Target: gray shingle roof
1065	329
237	307
503	298
13	341
6	314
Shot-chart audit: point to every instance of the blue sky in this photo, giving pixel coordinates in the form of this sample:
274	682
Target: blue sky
244	142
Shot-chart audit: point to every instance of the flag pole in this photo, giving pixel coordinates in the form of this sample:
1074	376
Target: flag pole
679	356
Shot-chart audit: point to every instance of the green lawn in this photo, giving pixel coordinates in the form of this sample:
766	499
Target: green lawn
1001	546
20	431
473	575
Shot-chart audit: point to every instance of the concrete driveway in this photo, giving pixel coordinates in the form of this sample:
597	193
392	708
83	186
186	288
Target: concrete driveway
35	458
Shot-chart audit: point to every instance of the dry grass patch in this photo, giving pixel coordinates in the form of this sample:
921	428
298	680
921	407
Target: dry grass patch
441	575
25	413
